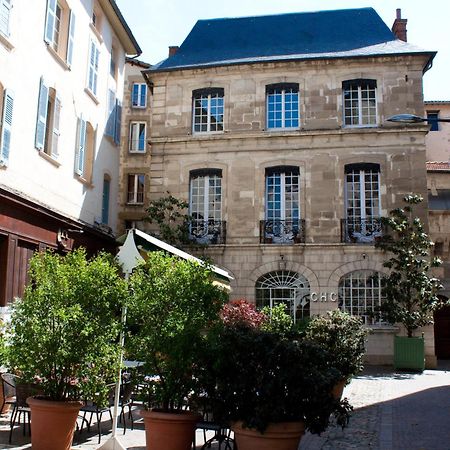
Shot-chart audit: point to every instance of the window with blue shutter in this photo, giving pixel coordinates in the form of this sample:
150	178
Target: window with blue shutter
51	22
5	11
71	39
105	199
93	67
5	136
118	122
80	151
139	95
41	121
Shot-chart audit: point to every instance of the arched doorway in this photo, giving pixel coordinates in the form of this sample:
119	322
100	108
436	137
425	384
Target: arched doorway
442	333
287	287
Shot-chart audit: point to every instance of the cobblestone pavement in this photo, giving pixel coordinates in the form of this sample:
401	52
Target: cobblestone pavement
392	411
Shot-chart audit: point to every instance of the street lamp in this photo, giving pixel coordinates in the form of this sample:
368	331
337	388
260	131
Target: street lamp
412	118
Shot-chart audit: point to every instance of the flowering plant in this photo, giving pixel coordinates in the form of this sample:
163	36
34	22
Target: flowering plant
64	330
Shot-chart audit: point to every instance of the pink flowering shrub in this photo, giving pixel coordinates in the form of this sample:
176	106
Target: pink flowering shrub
242	313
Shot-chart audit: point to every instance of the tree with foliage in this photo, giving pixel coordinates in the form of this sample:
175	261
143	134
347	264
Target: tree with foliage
174	302
169	213
409	288
64	332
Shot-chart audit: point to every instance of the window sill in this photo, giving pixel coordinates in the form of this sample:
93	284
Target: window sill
138	107
134	204
82	180
49	158
347	127
137	152
6	42
206	133
57	57
96	33
383	328
92	96
272	130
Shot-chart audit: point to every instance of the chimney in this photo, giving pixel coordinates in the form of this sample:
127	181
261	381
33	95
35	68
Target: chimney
399	27
173	49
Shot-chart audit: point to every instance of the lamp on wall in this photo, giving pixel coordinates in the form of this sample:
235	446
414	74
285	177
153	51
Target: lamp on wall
412	118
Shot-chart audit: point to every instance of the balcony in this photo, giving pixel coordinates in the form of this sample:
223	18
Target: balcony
361	231
207	232
282	232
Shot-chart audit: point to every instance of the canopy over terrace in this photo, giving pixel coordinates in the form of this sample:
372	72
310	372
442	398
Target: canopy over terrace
146	242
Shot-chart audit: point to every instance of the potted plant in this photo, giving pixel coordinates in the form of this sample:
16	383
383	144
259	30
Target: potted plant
174	301
409	288
270	384
64	336
343	337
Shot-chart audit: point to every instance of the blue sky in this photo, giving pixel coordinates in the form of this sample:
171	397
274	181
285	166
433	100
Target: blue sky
157	24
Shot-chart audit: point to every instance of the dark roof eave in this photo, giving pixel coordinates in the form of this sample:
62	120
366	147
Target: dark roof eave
427	66
126	27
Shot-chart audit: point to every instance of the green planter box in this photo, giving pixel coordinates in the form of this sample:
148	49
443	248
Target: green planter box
409	353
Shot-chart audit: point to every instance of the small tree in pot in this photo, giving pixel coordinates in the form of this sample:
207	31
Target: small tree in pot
409	288
64	336
268	382
174	302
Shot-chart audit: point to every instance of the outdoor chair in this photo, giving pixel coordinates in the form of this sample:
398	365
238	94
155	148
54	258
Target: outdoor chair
21	408
222	432
8	389
126	400
93	408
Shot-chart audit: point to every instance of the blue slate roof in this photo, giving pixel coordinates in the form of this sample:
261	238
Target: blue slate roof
248	39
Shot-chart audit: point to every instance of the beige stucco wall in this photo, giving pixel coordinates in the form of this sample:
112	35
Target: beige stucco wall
29	172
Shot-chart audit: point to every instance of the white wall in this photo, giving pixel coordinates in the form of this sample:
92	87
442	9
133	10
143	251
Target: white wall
20	70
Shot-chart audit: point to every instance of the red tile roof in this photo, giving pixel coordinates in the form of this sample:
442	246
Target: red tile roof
438	166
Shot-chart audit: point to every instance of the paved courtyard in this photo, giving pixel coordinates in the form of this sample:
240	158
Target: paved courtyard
393	411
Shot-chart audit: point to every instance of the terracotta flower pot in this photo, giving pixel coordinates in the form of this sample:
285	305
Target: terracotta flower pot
278	436
52	423
169	431
338	389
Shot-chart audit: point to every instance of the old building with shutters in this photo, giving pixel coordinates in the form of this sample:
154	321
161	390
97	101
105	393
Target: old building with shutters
61	90
274	130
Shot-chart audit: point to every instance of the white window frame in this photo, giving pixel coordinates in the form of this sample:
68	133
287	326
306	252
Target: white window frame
360	84
140	95
208	113
361	282
134	199
283	92
285	282
352	197
134	142
93	64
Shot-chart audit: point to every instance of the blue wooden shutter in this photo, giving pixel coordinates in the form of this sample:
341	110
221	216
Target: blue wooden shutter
71	39
5	9
135	95
50	21
41	121
80	150
118	122
5	137
56	133
105	202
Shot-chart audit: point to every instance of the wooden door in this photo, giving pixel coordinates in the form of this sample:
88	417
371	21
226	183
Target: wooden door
442	333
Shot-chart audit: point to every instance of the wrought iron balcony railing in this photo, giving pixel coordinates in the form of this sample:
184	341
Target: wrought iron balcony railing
274	231
361	231
207	231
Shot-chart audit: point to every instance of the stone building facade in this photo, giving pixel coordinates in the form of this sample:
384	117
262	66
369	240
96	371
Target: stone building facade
286	159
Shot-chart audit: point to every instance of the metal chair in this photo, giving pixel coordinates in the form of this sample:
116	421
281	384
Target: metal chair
8	389
126	400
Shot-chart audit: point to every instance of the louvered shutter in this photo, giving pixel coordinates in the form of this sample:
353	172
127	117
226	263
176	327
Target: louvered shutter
41	121
50	21
5	9
80	150
55	137
118	122
71	39
5	137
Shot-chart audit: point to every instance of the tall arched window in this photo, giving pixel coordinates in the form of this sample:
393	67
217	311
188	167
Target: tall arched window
360	293
285	287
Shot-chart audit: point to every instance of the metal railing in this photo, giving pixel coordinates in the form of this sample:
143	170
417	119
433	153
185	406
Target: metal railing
361	231
208	232
274	231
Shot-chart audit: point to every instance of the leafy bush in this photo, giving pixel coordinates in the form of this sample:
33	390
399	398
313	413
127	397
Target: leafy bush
342	336
279	320
64	331
410	289
242	313
174	302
